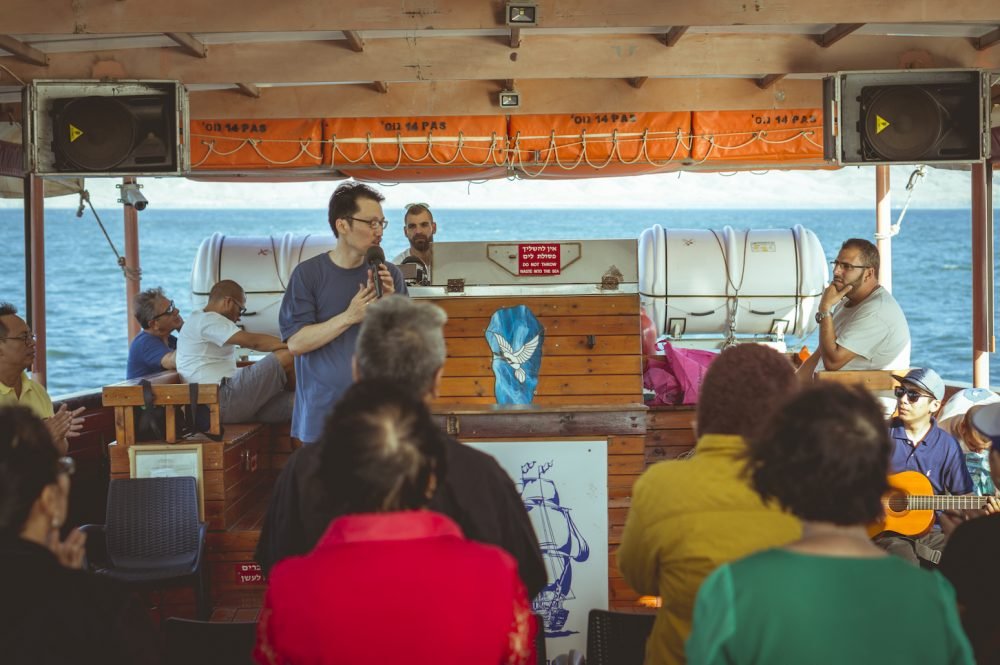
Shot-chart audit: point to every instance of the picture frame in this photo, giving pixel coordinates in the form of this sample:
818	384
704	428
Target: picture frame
167	461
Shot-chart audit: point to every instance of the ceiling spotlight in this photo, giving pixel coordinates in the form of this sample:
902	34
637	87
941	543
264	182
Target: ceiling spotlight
522	14
510	99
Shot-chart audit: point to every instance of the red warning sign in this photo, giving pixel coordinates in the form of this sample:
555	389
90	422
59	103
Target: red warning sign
540	259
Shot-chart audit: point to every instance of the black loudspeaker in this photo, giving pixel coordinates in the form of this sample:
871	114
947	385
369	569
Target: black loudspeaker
113	134
908	117
100	128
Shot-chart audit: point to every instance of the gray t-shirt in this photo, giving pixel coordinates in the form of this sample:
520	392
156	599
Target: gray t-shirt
876	331
317	291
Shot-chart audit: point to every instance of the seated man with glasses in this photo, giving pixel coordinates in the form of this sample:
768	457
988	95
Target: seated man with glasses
17	354
206	353
919	444
326	300
419	228
861	326
154	348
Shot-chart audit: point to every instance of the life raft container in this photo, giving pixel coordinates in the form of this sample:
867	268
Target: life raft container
731	282
261	264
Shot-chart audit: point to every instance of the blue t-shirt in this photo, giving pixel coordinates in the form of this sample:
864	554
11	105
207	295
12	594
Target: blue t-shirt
145	354
938	457
317	291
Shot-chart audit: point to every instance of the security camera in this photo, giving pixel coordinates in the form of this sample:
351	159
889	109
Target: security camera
131	196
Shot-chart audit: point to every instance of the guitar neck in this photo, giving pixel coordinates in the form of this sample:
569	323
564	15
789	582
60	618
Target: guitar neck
944	502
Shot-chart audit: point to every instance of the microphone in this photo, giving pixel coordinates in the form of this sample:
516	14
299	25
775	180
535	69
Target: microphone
375	257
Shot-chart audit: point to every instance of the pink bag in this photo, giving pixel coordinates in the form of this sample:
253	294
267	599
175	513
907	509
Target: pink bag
676	376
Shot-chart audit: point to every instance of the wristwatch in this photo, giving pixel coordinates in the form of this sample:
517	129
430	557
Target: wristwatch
822	315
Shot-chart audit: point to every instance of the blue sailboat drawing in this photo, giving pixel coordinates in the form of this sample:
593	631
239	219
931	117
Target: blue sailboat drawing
515	337
561	544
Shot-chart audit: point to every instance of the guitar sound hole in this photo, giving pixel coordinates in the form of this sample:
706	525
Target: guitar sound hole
897	502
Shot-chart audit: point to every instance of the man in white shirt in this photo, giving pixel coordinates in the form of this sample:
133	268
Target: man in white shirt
206	353
419	227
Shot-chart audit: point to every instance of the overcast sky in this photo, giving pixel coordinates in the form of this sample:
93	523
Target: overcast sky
850	187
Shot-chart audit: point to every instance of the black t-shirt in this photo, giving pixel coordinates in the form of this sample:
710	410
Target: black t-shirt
475	492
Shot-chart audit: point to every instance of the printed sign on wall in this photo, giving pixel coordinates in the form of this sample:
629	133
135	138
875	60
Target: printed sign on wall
564	486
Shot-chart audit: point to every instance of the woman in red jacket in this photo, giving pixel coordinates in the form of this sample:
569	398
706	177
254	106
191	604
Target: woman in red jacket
390	582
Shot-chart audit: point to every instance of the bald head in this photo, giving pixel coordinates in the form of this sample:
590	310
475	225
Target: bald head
227	288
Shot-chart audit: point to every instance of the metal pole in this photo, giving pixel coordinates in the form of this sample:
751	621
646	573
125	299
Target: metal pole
883	226
983	342
34	197
132	273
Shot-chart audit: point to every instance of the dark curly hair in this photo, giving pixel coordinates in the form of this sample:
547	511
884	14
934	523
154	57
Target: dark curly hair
741	388
824	456
379	450
28	462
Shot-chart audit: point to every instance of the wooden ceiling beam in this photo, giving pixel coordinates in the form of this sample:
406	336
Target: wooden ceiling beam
836	33
769	80
196	16
23	52
674	34
249	89
546	56
354	41
189	44
479	98
991	38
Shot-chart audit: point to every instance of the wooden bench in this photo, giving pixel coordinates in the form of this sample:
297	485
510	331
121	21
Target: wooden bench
168	391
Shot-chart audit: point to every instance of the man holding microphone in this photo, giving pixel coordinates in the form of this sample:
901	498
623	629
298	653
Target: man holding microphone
325	302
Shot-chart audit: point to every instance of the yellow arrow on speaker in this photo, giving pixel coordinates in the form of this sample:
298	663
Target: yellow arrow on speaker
74	133
880	124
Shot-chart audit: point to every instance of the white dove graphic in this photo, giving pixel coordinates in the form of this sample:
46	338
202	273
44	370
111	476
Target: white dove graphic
516	358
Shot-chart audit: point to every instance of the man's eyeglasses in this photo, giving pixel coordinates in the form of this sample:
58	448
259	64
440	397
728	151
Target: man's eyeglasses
243	310
67	465
911	394
844	266
373	223
167	312
24	337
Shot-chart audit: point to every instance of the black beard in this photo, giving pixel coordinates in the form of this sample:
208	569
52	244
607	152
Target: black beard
420	244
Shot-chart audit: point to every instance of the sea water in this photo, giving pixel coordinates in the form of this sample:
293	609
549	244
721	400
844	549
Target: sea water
86	319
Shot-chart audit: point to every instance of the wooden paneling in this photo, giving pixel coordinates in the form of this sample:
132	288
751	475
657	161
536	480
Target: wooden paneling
208	393
625	324
467	307
556	365
555	345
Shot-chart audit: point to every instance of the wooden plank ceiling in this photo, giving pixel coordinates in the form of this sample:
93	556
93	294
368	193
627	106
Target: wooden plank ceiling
302	58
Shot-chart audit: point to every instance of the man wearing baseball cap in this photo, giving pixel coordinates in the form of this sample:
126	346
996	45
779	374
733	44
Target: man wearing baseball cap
920	445
973	551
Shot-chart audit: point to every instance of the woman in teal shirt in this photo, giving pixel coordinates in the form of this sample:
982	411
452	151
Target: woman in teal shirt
832	596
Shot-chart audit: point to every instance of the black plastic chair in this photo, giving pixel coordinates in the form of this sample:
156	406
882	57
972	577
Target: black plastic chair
190	642
617	638
152	536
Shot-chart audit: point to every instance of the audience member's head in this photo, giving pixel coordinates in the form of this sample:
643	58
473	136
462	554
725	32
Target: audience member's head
867	252
918	396
955	417
17	343
34	480
741	388
380	451
824	456
344	202
402	341
155	313
986	419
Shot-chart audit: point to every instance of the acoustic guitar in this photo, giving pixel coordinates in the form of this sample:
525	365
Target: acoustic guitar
910	504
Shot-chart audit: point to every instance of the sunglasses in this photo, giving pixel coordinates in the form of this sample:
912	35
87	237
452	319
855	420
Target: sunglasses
911	394
425	206
167	312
